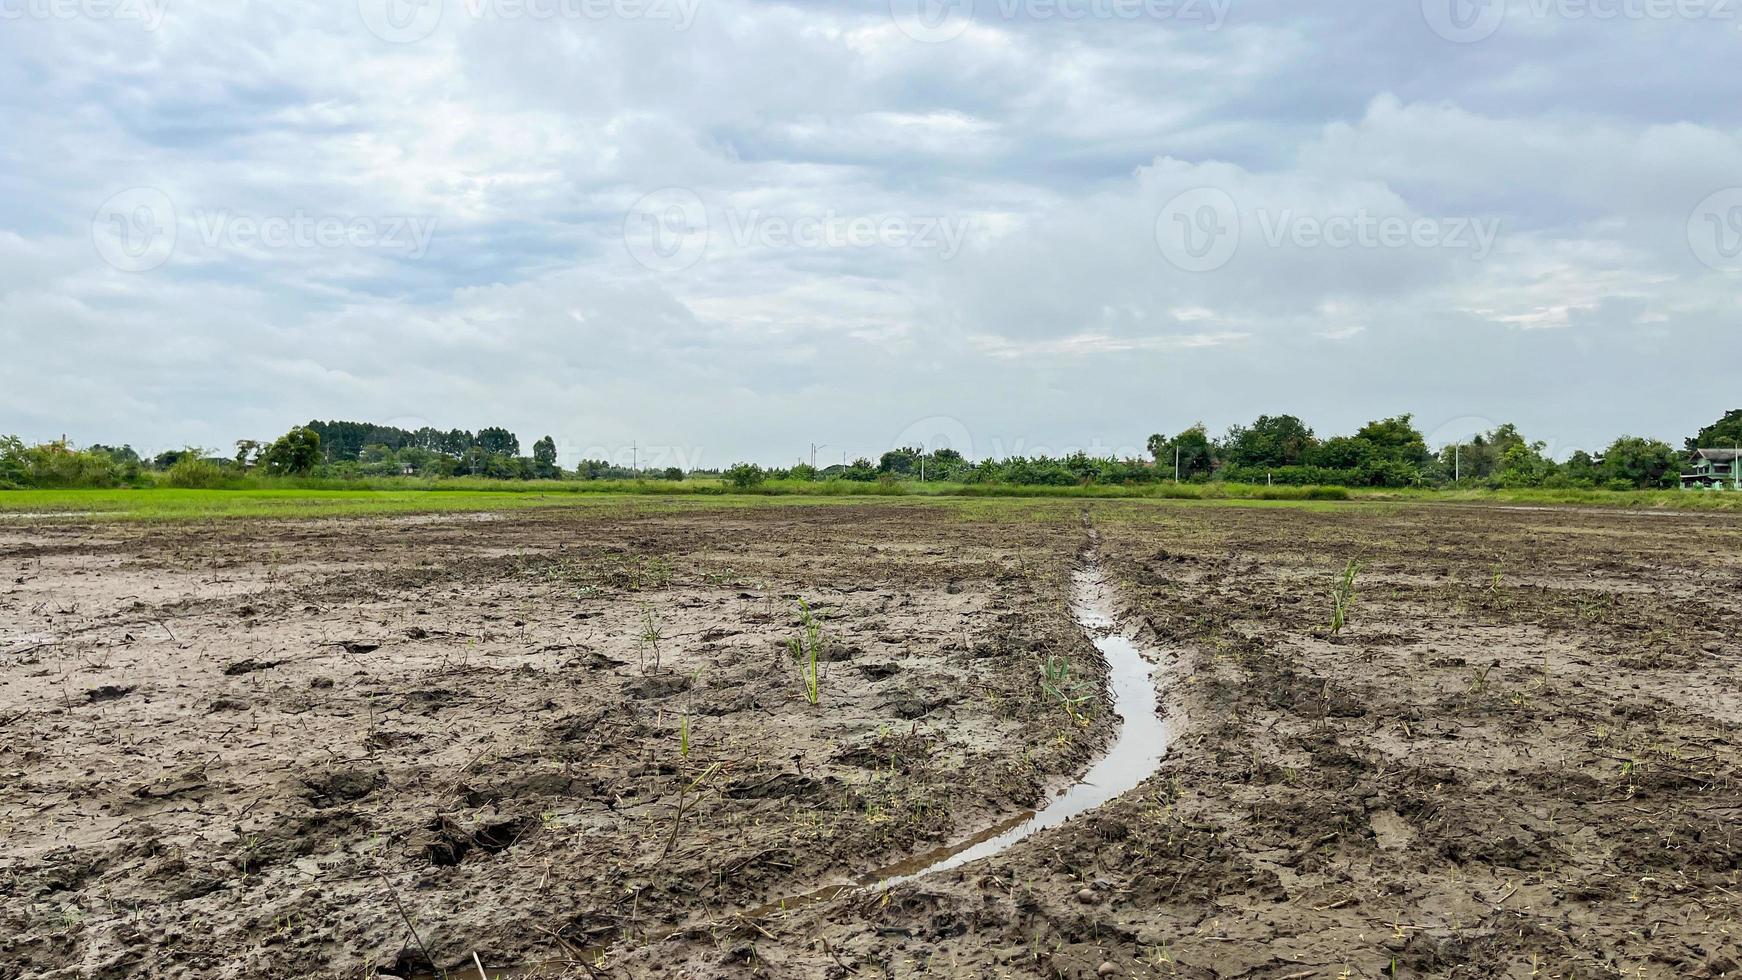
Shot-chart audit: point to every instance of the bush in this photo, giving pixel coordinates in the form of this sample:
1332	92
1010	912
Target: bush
190	472
743	476
54	465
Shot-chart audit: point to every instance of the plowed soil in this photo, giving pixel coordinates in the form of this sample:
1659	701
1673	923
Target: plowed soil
579	743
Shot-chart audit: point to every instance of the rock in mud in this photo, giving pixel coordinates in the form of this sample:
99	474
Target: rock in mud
345	785
656	686
108	692
241	667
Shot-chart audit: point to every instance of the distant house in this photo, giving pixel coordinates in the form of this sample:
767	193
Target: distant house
1714	469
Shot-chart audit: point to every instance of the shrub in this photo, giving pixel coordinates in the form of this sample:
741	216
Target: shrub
56	465
743	476
191	472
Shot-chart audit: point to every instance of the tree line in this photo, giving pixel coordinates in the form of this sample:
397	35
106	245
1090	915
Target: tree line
336	450
1279	449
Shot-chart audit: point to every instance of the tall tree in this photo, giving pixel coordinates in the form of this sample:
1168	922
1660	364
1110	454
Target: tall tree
1726	433
544	459
1639	462
497	441
1280	440
297	451
1191	448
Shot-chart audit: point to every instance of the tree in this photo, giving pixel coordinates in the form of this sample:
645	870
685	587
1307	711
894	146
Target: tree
1522	464
862	471
497	441
803	471
13	466
1384	453
743	476
946	464
124	455
297	451
248	450
1580	469
1396	439
1726	433
1192	448
1638	462
544	465
415	459
900	461
673	473
456	442
1280	440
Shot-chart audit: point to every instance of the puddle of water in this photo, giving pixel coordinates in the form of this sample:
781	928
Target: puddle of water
1133	757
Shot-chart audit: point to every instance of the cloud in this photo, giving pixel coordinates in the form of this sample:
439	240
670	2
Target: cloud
1508	229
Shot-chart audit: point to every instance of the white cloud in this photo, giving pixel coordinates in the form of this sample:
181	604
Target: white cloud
1055	145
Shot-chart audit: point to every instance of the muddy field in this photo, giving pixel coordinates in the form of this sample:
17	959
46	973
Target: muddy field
578	741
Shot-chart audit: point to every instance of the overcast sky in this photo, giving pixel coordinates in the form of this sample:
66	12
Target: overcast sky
724	229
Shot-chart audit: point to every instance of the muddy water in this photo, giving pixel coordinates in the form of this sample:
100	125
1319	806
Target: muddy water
1135	753
1133	757
1141	742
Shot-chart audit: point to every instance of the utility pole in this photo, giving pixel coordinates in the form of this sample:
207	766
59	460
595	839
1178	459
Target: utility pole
814	448
1176	462
635	457
1457	462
